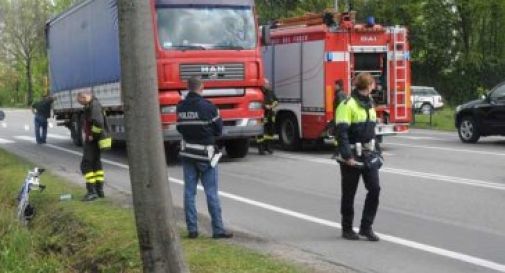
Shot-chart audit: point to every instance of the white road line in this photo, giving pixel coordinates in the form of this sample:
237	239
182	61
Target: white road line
417	137
385	237
55	136
4	124
5	141
431	176
446	149
26	138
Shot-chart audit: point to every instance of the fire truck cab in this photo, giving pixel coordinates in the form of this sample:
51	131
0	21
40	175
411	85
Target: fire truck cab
308	54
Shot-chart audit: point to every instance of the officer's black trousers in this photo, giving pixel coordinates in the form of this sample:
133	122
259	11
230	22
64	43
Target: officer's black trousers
91	165
350	180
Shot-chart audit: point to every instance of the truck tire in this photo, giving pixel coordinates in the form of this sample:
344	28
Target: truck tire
289	133
237	148
76	129
468	130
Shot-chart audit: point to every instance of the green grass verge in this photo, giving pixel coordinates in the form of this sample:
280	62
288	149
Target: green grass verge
71	236
441	120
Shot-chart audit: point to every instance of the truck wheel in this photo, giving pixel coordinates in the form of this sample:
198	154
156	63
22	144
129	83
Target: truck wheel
237	148
76	129
468	131
289	133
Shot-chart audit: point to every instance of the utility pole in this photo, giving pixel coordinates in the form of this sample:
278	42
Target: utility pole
152	200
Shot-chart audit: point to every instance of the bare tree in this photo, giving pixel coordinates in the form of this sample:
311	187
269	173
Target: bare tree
22	34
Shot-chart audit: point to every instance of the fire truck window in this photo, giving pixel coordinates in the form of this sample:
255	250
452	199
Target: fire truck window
206	27
367	62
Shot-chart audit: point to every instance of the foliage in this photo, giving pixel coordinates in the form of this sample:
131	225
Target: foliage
440	120
72	236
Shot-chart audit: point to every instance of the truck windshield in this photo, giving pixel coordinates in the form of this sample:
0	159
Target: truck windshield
200	28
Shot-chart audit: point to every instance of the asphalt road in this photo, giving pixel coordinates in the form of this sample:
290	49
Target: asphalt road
442	202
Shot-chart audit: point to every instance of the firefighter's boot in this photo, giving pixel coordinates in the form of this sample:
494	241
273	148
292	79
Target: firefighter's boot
261	148
268	147
91	195
99	189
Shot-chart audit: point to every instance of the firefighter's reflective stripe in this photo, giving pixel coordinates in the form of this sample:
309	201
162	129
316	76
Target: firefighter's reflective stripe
349	111
96	130
260	139
90	177
99	176
105	143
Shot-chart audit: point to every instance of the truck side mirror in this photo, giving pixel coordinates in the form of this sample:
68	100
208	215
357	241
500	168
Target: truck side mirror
265	35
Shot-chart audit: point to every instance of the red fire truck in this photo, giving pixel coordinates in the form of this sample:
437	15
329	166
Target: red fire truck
307	54
216	40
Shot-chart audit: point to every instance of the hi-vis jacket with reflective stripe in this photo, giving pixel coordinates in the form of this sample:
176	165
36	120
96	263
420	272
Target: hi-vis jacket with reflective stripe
198	120
355	119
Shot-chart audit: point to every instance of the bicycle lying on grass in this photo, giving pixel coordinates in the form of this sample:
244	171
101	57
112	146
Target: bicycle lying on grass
26	211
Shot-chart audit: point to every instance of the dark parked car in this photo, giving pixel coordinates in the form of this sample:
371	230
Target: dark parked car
483	117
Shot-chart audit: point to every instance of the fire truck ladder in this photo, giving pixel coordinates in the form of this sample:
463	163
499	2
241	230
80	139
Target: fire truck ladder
400	71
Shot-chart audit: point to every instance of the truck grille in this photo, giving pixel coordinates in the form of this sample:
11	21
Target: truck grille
227	72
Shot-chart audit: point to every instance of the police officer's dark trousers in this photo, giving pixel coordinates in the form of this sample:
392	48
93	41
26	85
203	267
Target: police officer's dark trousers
350	180
91	168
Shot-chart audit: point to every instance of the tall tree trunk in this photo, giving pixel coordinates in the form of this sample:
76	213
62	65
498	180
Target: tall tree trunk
152	199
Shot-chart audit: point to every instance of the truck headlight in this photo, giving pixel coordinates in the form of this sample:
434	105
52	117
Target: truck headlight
255	105
168	109
458	108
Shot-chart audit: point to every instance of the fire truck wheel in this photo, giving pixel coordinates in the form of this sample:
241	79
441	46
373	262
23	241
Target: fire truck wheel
289	133
76	129
468	131
237	148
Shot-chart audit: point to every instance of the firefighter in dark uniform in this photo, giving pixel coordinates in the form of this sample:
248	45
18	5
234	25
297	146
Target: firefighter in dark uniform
96	138
199	123
356	121
265	141
338	97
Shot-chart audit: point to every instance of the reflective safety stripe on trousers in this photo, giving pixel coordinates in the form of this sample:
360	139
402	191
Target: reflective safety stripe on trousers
90	177
99	176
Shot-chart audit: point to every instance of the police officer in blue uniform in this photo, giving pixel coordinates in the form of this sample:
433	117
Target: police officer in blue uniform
359	156
199	123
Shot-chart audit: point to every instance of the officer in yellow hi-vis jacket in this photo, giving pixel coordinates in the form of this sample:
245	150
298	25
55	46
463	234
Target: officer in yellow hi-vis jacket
359	155
96	138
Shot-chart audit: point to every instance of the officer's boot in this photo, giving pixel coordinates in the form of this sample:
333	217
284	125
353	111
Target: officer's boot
367	232
99	189
347	231
91	195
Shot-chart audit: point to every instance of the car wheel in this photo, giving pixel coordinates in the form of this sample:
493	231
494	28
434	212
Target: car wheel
468	131
426	109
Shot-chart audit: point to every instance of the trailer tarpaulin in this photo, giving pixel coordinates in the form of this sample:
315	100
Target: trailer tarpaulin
207	2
